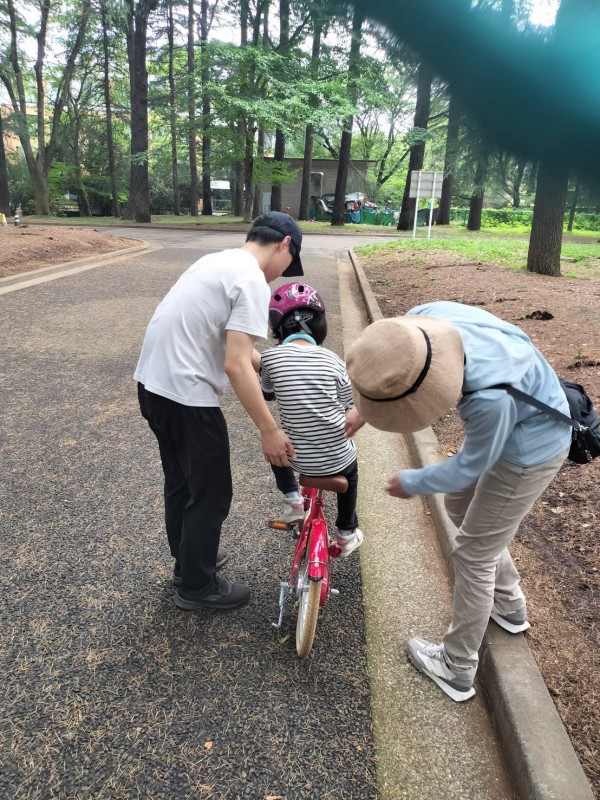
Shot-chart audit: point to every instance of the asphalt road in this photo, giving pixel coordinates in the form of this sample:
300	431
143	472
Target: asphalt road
108	690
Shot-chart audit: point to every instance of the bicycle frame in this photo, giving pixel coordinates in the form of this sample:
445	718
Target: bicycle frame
314	546
314	538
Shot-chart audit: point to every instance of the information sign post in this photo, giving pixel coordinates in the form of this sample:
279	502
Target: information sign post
425	184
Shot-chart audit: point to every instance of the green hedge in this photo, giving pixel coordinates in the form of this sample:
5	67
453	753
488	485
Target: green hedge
510	217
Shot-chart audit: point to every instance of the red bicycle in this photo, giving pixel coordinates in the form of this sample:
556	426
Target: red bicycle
310	580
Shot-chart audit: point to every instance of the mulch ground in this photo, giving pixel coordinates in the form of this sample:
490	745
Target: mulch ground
32	247
557	550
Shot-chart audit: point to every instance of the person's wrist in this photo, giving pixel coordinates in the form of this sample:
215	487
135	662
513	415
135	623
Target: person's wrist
268	427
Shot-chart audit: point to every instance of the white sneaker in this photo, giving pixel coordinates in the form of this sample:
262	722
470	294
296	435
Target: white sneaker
293	511
349	541
513	623
430	659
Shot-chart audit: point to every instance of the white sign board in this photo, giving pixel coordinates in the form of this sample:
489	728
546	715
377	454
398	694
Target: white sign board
430	184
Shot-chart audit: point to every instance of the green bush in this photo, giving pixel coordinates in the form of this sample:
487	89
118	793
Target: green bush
586	222
514	217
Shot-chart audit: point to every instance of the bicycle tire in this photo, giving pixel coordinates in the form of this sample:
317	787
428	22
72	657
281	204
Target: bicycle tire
308	612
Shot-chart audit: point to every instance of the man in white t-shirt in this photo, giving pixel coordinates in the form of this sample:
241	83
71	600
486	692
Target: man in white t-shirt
200	337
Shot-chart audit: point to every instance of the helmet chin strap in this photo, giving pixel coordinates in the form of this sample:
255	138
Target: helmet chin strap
294	336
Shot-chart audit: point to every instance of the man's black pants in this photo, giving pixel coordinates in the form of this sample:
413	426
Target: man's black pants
194	450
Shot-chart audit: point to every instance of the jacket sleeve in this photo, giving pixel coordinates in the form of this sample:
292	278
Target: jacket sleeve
489	419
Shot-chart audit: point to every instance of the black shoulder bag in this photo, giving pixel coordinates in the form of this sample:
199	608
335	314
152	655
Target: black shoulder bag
585	441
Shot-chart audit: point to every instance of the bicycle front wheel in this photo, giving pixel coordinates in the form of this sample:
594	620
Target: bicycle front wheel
309	597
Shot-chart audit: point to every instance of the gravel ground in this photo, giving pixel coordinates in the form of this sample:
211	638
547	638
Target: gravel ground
108	690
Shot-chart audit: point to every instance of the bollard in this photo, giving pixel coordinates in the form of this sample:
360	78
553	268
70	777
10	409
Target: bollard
3	221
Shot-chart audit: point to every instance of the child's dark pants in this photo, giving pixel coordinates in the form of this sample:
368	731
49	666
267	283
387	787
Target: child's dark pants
346	516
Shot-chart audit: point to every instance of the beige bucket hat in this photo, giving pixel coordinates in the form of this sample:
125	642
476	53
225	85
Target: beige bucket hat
406	372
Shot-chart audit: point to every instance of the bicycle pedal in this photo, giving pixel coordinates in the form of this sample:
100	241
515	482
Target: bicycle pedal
278	525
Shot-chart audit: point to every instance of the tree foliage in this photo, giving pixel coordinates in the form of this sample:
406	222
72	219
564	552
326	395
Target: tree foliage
66	91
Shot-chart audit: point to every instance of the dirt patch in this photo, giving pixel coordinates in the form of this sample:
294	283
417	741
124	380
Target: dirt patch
557	550
33	247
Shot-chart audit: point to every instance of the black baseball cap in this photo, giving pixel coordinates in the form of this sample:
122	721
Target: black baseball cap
286	226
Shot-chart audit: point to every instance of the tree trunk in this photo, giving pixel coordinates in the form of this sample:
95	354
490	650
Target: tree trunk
4	196
310	130
309	139
116	211
260	154
417	153
40	185
516	187
261	135
249	171
476	204
339	203
279	151
443	215
191	67
249	124
573	208
545	240
138	204
207	209
238	194
173	110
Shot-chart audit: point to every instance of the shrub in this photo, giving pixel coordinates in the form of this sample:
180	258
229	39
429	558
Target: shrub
514	217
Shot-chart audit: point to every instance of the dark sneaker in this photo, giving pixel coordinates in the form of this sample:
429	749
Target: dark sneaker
222	559
429	659
224	595
513	623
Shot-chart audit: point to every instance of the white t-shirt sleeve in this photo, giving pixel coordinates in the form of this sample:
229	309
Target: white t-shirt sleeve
250	308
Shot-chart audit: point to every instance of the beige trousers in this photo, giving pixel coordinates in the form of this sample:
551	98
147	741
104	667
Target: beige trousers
488	514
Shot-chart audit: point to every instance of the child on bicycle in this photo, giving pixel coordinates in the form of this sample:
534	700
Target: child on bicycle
314	396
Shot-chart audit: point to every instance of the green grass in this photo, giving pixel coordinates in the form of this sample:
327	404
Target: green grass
500	250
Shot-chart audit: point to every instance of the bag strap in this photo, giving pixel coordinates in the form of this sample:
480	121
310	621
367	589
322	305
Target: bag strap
533	401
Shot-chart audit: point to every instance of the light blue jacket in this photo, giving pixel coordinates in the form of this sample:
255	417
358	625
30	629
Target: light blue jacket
496	425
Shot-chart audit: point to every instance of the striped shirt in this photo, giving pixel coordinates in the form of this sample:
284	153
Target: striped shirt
313	393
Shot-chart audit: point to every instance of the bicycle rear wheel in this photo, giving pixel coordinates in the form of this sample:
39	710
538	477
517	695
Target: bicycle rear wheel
309	597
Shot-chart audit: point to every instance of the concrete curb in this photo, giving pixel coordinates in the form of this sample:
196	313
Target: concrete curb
66	266
539	752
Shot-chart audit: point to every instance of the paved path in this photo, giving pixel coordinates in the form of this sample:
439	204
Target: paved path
109	691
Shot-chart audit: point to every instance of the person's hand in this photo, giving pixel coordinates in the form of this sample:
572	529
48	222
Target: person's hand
353	423
395	489
277	448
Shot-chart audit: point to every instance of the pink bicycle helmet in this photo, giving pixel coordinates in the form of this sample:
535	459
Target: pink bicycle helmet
291	297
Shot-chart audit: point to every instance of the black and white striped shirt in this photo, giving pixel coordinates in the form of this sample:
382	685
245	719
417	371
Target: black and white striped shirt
313	393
